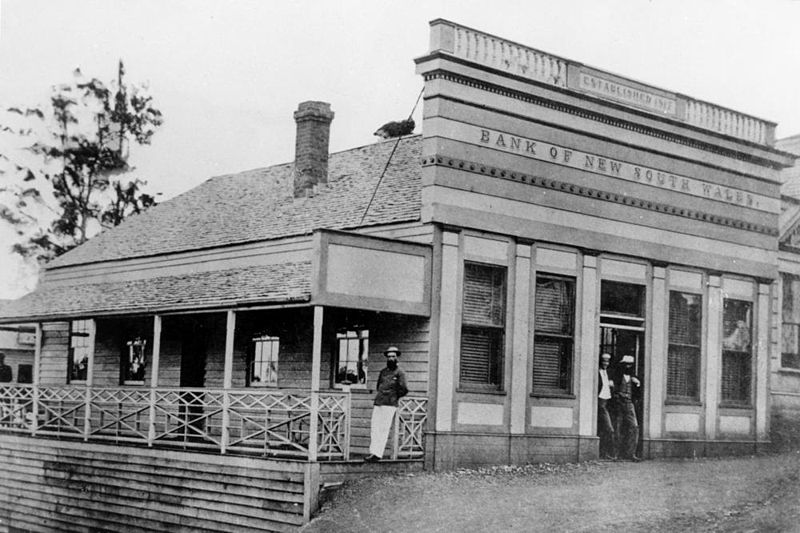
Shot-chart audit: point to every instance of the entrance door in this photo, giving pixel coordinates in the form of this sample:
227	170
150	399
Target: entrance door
194	338
622	321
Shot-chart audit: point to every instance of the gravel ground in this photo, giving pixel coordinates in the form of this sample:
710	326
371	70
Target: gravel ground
760	493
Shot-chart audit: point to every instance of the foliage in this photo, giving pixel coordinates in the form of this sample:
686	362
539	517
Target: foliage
63	172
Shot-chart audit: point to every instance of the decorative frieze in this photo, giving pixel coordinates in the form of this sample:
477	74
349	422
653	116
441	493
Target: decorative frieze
590	192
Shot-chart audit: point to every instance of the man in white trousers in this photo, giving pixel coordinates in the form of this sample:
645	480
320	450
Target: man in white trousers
391	387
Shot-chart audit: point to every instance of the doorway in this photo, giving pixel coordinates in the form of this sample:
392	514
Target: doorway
194	343
622	332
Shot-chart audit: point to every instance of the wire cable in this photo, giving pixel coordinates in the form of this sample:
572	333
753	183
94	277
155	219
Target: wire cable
388	161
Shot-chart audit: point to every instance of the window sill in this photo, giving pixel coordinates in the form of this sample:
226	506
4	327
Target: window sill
683	401
463	390
789	370
136	383
547	395
731	405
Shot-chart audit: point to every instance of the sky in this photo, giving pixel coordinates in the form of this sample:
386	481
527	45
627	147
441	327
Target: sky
228	75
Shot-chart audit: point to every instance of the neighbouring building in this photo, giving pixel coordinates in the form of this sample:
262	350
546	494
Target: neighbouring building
17	343
785	367
549	212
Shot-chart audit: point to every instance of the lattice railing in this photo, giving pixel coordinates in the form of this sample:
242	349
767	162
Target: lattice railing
61	411
274	423
16	408
409	425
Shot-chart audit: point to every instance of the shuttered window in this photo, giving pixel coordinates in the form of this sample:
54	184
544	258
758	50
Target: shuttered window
483	326
554	327
737	351
683	358
790	337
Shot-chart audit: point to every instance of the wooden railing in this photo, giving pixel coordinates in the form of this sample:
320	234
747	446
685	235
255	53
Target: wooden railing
268	423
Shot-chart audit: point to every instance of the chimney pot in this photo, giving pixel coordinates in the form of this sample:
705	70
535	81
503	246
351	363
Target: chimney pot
311	145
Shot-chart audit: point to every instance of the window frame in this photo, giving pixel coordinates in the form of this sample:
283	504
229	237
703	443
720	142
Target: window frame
129	346
790	317
495	334
746	400
360	335
84	333
252	360
565	341
698	364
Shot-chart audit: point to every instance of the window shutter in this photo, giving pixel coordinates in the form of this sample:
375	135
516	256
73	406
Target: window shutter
554	305
476	352
484	295
547	355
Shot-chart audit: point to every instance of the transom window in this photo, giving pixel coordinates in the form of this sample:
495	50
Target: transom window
683	358
263	368
554	325
79	347
134	361
352	354
790	338
483	326
737	351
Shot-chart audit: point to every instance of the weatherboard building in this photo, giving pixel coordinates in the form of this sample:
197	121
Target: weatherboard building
229	339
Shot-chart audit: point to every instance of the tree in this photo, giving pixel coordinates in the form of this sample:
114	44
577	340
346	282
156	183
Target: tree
62	177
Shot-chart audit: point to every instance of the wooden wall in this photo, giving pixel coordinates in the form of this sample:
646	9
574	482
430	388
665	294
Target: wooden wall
55	351
75	486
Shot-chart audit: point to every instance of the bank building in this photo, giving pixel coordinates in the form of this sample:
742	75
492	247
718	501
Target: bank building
212	362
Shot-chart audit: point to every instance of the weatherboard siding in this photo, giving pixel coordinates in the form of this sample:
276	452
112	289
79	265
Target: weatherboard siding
56	485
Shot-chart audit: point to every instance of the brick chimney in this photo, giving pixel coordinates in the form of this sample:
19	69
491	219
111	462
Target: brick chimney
311	145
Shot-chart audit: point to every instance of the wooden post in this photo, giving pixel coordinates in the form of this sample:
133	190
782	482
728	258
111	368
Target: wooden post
227	380
37	361
151	430
316	368
396	433
87	410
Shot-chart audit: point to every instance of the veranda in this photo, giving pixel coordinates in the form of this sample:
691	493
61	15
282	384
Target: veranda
284	383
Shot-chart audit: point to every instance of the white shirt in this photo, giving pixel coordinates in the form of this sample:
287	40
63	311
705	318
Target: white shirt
605	389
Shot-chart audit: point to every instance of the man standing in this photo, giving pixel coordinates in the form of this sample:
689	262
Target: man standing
605	429
5	370
391	387
626	385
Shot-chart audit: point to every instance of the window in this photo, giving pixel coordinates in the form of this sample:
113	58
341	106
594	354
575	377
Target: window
80	339
554	330
263	367
352	352
790	346
683	357
483	326
24	373
134	361
736	354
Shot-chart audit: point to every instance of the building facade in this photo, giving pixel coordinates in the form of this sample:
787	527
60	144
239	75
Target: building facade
602	215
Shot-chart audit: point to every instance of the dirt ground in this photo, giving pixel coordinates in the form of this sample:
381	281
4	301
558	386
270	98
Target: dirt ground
759	493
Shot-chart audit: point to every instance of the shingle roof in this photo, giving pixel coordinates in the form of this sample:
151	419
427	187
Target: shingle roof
258	205
287	282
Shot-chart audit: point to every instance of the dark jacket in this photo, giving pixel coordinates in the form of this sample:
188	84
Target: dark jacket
391	387
626	391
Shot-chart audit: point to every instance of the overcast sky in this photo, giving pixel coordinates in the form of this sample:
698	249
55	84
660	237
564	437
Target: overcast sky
228	74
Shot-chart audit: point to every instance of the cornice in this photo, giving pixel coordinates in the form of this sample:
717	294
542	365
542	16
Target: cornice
597	194
599	117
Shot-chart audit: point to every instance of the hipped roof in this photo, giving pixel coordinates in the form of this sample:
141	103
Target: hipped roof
250	206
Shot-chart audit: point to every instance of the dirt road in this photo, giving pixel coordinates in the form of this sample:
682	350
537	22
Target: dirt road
733	494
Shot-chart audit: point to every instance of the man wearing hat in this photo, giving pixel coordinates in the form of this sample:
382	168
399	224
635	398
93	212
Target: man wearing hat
390	388
626	425
605	429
